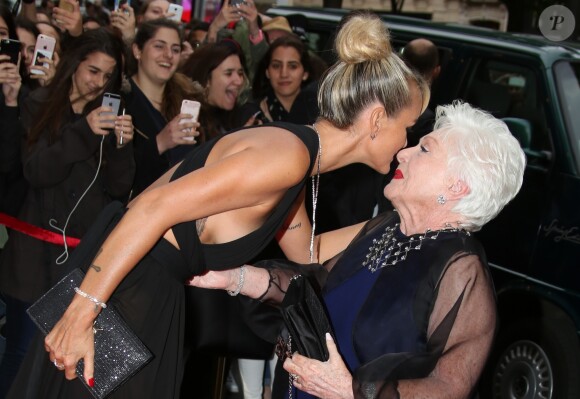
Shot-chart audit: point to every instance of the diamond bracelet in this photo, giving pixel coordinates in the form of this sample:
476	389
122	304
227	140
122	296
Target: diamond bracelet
90	298
240	282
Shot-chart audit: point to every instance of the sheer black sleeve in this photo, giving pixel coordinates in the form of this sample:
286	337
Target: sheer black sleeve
281	271
460	333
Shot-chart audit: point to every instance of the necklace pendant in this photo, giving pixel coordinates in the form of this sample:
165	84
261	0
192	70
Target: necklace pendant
380	253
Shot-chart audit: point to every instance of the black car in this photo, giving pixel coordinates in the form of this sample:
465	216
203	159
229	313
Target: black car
533	246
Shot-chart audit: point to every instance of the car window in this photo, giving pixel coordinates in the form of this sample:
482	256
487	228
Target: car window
567	79
320	40
510	90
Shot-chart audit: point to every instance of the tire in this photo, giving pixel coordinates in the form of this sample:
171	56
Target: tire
534	359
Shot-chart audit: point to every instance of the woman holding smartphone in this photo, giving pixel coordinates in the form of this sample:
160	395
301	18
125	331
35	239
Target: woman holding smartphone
74	166
155	97
219	69
34	75
219	208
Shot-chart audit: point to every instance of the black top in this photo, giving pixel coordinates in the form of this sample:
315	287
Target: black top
234	253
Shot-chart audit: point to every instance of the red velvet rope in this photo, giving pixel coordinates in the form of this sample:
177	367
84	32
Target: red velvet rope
36	232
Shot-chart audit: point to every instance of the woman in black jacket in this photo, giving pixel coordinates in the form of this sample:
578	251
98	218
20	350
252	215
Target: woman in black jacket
154	99
74	167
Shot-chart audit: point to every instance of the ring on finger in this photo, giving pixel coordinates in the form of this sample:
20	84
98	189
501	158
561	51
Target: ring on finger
58	365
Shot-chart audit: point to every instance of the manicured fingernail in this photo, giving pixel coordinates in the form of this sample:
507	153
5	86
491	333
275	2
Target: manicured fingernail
91	382
328	337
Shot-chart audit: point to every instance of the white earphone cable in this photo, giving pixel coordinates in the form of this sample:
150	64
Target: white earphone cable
64	256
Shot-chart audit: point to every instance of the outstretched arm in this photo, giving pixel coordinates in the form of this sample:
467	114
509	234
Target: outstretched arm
242	174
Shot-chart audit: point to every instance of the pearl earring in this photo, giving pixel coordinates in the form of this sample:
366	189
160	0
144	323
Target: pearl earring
441	199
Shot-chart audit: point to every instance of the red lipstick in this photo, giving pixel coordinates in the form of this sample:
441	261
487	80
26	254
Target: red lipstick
398	174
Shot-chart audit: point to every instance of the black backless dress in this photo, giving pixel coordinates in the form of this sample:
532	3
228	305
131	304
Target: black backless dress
151	297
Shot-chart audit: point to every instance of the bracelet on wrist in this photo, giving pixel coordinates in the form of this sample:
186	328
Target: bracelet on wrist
91	298
240	282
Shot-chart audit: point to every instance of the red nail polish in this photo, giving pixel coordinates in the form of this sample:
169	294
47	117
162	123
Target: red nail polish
91	382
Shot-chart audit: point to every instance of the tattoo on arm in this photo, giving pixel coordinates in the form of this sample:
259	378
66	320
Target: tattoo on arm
296	226
200	225
94	266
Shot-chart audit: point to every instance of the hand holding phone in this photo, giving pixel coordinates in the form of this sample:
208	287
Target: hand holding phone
192	108
11	48
65	5
112	101
44	49
119	3
174	12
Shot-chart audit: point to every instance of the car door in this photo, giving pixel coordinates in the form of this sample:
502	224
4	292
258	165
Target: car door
514	87
557	255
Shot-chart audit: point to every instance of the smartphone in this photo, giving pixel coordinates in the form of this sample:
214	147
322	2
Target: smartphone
119	3
176	10
44	48
190	107
112	100
236	3
10	47
65	5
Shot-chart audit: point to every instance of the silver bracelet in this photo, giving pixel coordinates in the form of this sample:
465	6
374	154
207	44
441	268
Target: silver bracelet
240	282
91	298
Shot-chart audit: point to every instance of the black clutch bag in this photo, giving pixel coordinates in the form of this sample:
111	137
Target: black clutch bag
306	322
119	353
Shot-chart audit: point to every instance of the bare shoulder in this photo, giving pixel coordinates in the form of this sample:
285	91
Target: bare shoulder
269	149
269	137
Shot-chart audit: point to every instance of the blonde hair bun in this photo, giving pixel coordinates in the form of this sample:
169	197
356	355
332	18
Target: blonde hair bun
363	37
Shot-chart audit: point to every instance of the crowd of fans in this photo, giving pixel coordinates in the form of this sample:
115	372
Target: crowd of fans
65	156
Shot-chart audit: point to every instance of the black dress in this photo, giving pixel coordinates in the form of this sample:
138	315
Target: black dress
151	297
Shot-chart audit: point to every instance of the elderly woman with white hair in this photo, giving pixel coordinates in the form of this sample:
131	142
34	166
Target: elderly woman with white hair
409	295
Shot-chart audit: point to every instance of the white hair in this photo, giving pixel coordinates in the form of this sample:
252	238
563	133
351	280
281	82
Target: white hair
485	156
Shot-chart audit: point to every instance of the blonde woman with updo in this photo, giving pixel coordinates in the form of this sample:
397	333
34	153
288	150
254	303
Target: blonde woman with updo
219	208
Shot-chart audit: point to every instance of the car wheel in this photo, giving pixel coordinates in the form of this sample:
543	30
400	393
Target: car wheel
535	359
523	371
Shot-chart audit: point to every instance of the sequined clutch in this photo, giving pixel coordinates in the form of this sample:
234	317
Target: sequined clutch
119	353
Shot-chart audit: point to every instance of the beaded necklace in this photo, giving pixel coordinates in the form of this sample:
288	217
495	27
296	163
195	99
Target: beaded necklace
388	250
315	186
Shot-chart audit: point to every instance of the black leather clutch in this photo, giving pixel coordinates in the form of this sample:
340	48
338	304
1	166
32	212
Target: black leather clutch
306	320
119	353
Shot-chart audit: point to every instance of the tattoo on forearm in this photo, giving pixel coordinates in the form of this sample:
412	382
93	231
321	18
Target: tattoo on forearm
296	226
94	266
